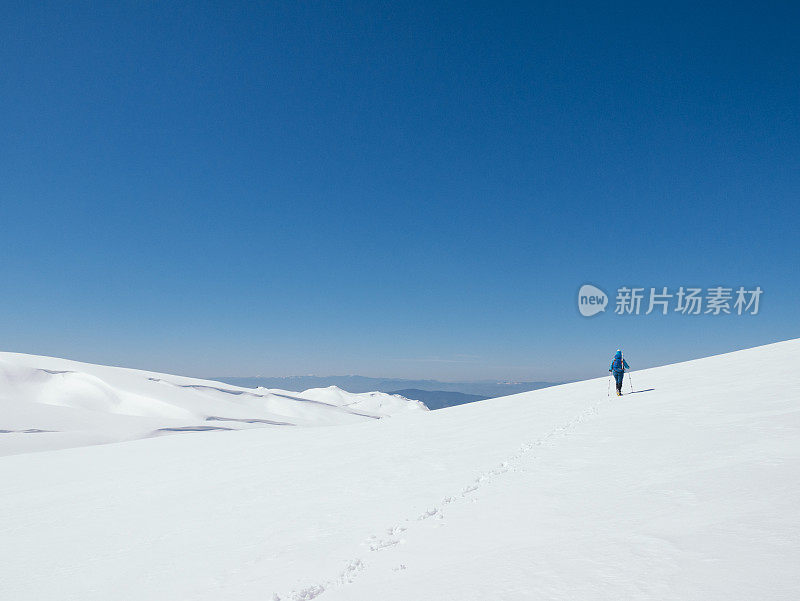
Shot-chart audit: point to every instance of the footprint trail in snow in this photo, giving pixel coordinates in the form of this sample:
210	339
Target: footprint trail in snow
396	535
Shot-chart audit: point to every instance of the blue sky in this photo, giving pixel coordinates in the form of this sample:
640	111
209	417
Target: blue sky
408	190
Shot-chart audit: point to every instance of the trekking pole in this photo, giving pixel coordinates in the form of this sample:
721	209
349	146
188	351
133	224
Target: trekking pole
608	388
630	381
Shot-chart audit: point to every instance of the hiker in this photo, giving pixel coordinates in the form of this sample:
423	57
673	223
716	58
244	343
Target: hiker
618	367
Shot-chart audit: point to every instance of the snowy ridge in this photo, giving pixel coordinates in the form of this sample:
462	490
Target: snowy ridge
686	489
48	403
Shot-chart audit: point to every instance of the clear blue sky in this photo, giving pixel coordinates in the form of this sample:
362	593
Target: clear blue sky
410	189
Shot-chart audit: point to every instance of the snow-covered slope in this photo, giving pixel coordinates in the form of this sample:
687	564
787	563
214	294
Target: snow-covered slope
48	403
686	490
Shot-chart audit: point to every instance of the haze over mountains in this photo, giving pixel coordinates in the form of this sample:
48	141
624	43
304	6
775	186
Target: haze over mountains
439	399
353	383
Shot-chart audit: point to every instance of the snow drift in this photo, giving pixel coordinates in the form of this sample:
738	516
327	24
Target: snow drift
685	490
48	403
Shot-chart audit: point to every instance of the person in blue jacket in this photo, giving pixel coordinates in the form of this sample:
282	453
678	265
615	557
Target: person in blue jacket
618	367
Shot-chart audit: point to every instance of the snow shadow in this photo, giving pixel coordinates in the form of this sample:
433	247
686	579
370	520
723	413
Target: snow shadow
28	431
213	418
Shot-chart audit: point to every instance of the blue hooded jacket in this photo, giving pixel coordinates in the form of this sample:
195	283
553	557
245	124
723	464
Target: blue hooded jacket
619	365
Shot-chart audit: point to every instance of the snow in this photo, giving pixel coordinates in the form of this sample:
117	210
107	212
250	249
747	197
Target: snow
379	403
48	404
687	489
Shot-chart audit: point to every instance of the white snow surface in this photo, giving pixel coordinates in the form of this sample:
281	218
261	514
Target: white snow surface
687	489
48	404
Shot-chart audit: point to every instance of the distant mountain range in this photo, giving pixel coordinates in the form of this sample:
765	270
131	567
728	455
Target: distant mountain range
482	389
439	399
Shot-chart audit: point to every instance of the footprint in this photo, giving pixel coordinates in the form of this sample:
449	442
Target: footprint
430	513
309	593
349	573
383	544
471	488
